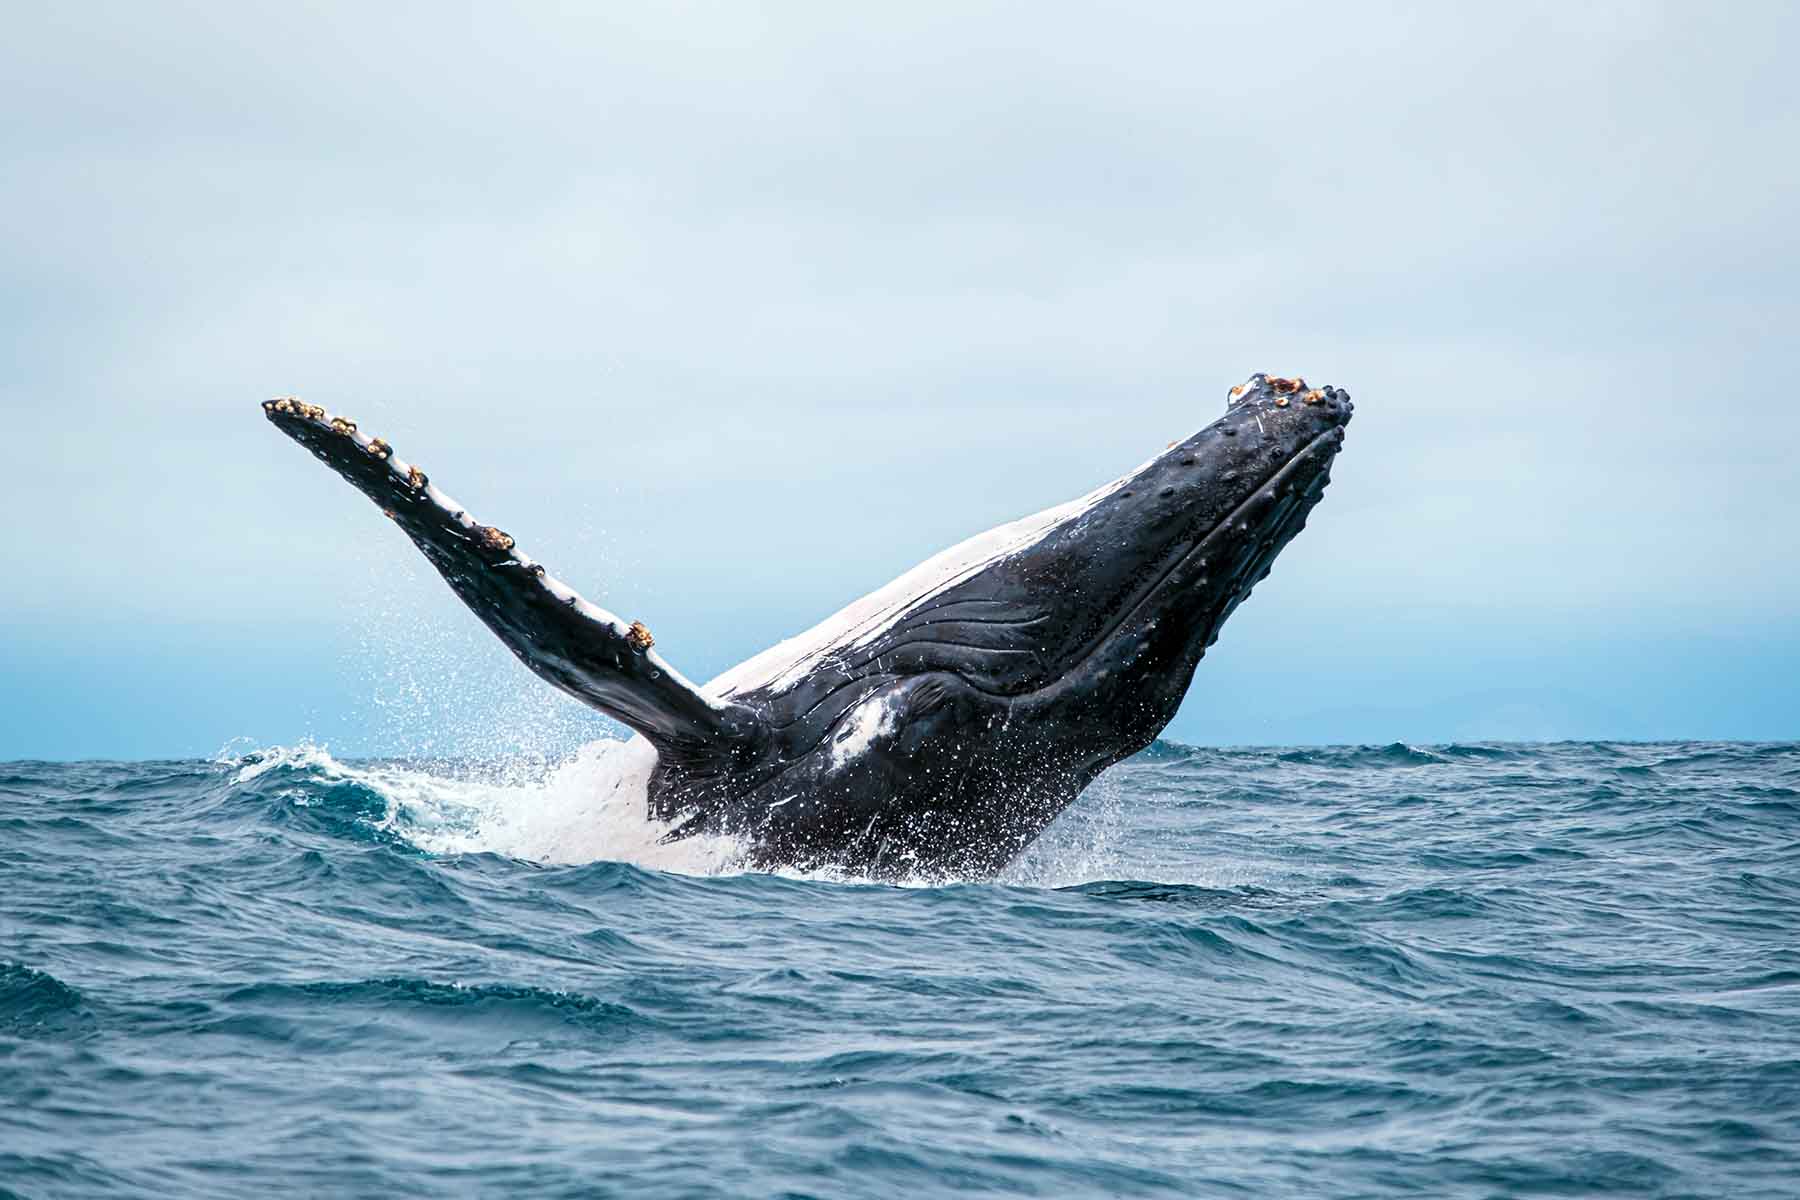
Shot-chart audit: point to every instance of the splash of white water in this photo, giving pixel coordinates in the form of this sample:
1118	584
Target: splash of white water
586	808
590	807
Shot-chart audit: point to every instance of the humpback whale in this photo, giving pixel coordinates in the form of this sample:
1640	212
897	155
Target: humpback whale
939	724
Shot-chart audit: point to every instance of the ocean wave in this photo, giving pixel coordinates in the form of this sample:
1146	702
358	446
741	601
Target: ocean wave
1495	973
519	1008
1395	754
35	1003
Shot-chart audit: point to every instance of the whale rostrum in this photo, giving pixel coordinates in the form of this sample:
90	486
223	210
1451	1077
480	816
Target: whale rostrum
937	725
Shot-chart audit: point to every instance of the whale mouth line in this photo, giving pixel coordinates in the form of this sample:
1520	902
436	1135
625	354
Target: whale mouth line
1299	458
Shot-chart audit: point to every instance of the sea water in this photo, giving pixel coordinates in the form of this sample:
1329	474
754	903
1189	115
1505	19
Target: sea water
1474	970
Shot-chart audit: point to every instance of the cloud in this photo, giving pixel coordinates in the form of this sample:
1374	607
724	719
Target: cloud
732	315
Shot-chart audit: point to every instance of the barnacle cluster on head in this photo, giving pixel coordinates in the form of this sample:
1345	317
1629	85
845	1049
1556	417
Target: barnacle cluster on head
1280	386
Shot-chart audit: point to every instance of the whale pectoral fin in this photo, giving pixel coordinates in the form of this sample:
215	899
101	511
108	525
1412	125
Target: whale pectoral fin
578	647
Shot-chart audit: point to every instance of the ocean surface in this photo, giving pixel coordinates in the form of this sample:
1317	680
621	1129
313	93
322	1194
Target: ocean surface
1475	970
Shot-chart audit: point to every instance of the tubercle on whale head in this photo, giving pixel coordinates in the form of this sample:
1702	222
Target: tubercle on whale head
1269	421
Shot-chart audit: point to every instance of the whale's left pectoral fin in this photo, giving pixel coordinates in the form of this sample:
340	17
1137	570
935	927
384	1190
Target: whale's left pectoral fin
577	646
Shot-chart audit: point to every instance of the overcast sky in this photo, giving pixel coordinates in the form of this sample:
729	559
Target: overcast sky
731	315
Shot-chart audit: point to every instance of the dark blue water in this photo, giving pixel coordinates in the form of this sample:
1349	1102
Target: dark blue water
1488	970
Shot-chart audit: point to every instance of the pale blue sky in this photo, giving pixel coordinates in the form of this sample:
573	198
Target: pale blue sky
730	317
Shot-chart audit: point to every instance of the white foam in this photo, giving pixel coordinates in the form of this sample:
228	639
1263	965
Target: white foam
873	718
588	808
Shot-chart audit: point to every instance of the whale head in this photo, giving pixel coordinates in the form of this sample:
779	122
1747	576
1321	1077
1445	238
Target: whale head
1018	665
1142	581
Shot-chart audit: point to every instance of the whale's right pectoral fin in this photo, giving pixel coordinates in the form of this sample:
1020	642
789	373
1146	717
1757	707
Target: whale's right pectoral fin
577	646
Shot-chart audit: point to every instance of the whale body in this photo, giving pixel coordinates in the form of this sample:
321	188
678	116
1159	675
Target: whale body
939	724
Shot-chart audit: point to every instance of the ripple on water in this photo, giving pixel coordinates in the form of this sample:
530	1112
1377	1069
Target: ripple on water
1464	971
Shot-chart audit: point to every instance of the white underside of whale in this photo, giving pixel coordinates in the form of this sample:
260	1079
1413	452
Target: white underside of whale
788	662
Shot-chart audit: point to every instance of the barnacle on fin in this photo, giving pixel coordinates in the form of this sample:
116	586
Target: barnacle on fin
343	425
380	449
493	539
639	636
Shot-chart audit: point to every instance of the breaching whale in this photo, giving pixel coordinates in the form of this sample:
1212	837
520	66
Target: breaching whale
937	725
